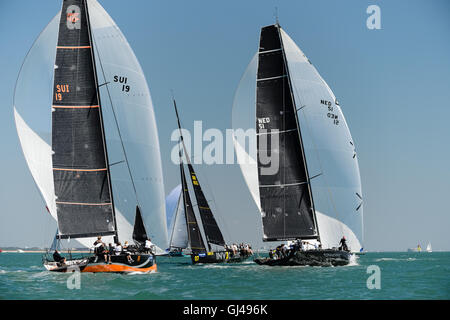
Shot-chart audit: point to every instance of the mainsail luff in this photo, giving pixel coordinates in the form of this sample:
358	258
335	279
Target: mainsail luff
286	201
80	162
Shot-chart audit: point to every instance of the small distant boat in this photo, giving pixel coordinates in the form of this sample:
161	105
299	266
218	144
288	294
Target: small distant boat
417	249
429	249
20	251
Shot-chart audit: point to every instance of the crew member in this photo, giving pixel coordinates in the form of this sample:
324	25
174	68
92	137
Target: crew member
343	244
58	258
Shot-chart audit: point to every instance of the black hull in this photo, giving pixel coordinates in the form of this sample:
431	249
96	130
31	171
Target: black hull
322	258
218	257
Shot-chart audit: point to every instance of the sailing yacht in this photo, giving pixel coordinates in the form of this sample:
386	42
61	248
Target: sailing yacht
314	195
86	125
416	249
202	251
429	249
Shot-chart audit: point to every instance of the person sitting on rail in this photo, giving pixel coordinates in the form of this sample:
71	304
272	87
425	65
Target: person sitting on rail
58	258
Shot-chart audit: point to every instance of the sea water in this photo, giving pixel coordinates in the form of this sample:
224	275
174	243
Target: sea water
384	275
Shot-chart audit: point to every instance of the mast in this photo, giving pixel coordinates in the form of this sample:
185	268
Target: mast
212	231
285	196
81	175
299	132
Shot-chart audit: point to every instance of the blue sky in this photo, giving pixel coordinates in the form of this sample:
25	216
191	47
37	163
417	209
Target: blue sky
393	85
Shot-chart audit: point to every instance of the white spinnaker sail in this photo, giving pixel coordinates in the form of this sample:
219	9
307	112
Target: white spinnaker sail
243	123
38	155
176	223
329	150
130	127
32	110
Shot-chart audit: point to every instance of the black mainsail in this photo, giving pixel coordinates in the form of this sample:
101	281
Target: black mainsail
195	237
212	231
80	165
286	199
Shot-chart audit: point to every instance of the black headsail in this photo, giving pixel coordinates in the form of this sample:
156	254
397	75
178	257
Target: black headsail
212	231
286	200
139	233
80	164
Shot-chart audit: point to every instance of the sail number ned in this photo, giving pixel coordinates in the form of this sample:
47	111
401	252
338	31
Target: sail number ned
333	116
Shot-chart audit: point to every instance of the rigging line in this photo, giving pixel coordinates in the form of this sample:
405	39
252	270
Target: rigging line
117	124
317	154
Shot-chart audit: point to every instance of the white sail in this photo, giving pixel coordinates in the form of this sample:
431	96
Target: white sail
38	155
130	128
243	122
178	236
32	110
329	150
429	249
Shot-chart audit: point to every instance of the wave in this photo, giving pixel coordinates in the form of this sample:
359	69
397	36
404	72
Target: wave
395	259
353	261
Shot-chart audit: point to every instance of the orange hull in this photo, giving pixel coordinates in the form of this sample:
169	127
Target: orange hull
117	268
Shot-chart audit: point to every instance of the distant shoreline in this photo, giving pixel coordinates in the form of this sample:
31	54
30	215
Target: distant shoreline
39	251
